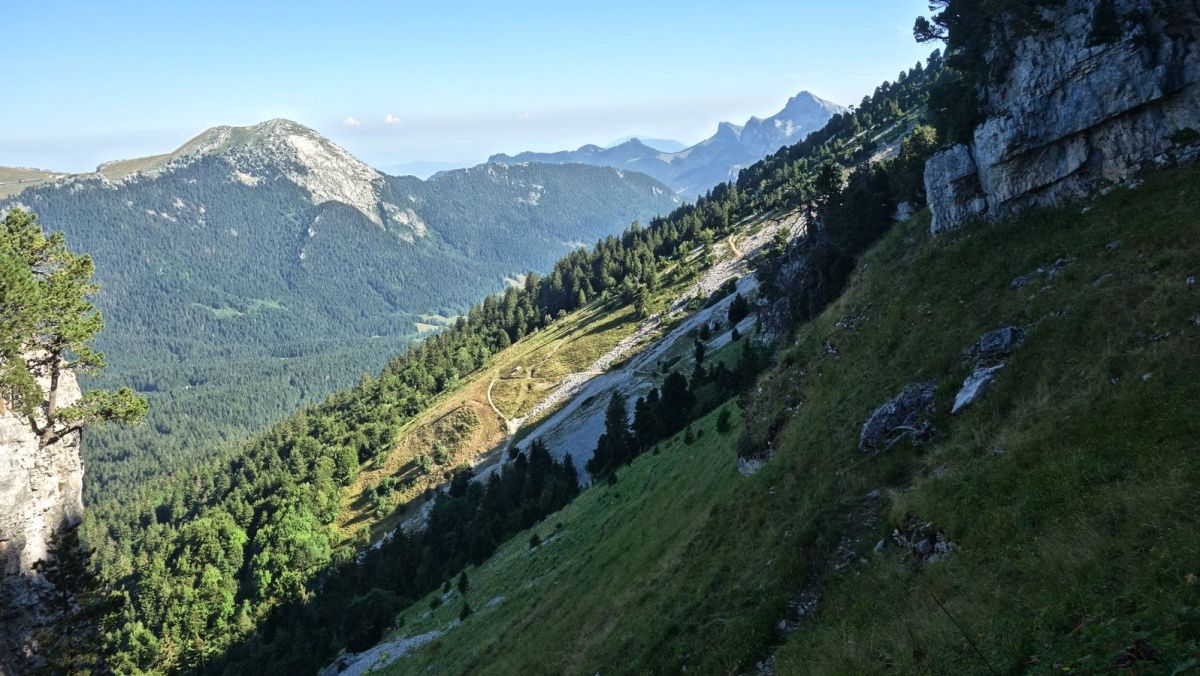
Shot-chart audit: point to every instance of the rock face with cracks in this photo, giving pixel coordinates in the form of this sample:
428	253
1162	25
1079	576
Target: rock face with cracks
1073	114
41	494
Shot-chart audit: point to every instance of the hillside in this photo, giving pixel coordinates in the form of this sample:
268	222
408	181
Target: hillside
256	269
972	451
294	537
788	428
695	169
820	562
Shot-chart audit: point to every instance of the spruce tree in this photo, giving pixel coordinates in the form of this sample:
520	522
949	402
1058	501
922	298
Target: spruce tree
615	446
738	309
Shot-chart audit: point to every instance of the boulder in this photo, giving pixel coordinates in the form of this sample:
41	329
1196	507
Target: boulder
996	344
901	416
973	386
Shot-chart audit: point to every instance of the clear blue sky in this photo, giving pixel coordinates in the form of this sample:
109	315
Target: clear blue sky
401	81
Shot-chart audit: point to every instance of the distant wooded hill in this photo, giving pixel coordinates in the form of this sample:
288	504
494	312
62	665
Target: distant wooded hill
257	268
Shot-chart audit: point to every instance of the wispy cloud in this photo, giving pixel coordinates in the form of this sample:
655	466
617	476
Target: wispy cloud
391	119
351	122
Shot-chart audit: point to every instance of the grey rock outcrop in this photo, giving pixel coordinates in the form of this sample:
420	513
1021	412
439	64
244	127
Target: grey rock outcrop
922	541
994	345
1070	117
902	416
973	386
989	355
41	493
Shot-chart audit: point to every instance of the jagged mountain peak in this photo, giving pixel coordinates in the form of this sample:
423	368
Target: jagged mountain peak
803	113
806	97
692	170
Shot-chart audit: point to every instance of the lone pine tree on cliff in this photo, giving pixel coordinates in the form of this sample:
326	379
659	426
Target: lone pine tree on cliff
47	325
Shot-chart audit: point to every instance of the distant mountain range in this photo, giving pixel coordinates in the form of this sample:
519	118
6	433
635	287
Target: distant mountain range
274	249
692	171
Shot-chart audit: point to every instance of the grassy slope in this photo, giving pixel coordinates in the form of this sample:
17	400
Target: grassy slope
524	374
15	179
1078	538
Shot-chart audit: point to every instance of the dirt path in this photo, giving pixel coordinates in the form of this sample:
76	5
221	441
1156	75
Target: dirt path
511	425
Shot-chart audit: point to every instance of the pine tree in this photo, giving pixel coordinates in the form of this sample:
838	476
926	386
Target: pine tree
739	308
47	325
723	425
616	445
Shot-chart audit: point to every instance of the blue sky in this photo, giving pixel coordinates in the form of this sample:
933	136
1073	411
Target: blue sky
397	81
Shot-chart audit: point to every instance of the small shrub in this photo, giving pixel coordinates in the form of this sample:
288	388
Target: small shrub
441	456
534	541
723	426
1187	136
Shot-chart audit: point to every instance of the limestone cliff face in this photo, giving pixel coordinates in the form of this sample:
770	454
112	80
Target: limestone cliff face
1070	117
41	492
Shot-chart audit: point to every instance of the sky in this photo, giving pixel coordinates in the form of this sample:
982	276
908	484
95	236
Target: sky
451	81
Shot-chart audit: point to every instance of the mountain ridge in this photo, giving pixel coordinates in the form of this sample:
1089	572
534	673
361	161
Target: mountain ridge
716	159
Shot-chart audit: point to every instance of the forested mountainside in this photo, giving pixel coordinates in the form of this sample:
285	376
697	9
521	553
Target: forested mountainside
257	269
717	159
819	438
236	555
